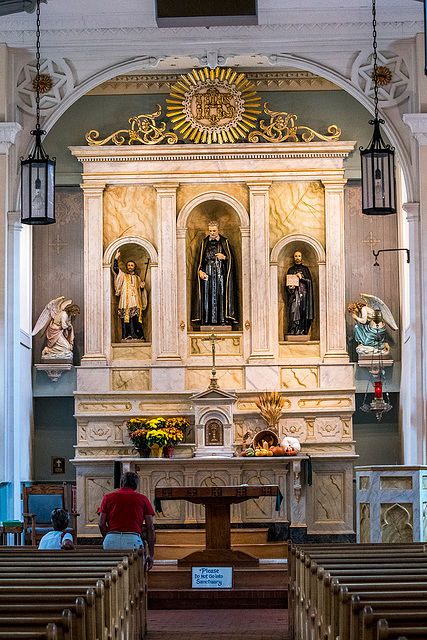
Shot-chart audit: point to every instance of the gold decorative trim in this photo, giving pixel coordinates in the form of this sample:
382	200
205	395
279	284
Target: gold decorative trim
324	403
213	105
144	130
265	80
277	130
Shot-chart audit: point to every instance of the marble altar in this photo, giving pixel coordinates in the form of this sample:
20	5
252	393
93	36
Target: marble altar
270	199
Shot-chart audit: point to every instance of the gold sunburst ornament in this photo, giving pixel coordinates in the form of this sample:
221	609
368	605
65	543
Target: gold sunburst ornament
213	105
44	82
384	76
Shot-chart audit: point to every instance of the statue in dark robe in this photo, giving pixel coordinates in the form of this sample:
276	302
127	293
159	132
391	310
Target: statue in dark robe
214	298
299	287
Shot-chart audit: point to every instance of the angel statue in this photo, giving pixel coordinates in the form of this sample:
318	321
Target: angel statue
370	327
56	320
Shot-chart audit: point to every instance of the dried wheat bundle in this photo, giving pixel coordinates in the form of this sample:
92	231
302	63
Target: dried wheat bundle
271	405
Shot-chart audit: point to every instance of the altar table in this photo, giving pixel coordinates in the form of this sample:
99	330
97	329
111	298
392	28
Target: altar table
217	501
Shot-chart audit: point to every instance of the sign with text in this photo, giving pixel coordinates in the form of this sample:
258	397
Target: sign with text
212	577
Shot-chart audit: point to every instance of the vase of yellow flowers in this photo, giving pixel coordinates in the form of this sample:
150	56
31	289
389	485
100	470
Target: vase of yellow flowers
153	436
175	428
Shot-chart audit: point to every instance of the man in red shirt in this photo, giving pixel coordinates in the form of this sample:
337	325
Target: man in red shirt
121	518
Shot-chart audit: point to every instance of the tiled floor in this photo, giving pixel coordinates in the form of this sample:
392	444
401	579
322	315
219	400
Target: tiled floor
220	624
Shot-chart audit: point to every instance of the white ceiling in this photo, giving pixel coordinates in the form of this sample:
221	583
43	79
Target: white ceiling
92	14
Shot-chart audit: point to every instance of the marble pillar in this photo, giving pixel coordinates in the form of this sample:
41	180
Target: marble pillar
94	352
166	233
259	270
336	347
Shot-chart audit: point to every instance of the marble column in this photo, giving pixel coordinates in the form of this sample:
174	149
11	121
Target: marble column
336	347
94	351
259	270
414	430
182	306
13	453
166	233
412	376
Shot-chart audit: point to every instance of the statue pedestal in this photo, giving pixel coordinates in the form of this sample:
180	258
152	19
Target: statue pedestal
55	369
302	338
215	328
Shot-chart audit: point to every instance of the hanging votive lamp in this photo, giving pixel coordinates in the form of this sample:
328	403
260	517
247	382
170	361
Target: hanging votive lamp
378	168
380	403
38	170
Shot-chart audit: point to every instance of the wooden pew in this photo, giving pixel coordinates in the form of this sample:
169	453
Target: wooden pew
317	572
124	583
31	624
50	633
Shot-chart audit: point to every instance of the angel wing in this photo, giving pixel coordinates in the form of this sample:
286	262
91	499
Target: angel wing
51	309
377	303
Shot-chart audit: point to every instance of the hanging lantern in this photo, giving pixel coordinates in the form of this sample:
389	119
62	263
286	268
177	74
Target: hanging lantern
378	169
38	170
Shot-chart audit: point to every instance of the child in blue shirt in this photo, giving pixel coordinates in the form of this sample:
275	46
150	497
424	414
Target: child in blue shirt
58	538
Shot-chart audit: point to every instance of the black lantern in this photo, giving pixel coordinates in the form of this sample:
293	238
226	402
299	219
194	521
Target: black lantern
38	170
378	171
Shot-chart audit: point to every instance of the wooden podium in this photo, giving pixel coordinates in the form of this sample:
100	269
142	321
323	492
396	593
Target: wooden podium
217	501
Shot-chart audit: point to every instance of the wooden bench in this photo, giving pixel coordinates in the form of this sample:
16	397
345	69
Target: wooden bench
110	589
318	574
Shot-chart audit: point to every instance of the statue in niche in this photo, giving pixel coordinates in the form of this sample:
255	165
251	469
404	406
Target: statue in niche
299	287
214	298
56	319
132	299
370	328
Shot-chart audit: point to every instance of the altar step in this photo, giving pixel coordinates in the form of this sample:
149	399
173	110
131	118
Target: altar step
263	587
174	544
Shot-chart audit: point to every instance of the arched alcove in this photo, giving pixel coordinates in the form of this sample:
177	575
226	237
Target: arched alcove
282	257
145	257
194	217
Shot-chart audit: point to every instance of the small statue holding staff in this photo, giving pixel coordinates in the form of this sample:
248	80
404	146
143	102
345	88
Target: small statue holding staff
132	298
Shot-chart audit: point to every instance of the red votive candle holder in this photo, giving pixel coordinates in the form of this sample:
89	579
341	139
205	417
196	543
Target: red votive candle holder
378	389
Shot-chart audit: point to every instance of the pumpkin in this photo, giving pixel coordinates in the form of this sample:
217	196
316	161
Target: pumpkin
278	451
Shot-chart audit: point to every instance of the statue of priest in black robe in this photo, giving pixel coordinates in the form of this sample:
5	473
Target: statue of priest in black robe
214	298
299	287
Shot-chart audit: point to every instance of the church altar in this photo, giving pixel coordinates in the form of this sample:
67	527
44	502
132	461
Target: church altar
153	204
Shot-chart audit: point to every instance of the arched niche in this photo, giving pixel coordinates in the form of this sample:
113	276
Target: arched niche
313	256
144	255
194	217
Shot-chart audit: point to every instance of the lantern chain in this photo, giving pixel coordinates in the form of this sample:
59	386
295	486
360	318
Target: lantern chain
375	56
38	67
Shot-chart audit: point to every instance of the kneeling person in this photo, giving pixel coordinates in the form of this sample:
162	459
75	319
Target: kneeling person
59	538
122	516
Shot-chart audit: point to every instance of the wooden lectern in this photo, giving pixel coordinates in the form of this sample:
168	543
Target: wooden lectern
217	501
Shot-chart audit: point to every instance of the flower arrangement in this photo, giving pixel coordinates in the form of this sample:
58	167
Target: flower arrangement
271	405
144	432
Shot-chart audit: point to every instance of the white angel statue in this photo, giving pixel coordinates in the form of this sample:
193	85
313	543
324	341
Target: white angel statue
56	320
371	335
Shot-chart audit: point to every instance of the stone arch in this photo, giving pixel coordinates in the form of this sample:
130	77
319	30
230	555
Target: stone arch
116	244
297	237
213	195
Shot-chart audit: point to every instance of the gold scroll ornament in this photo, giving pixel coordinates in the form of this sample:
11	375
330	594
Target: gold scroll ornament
144	130
282	127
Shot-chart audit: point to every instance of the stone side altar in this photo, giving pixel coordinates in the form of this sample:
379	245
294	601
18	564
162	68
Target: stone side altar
153	204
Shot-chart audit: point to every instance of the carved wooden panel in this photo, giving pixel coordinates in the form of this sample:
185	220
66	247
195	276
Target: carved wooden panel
365	522
397	522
